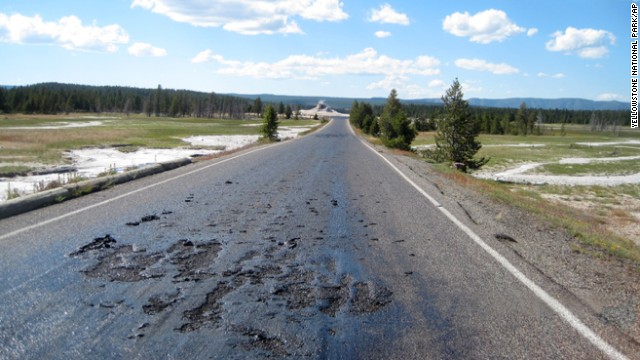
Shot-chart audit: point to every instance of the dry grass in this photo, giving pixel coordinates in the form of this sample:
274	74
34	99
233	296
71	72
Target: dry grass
593	231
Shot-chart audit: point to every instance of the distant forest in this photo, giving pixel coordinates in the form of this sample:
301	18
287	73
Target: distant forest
56	98
511	121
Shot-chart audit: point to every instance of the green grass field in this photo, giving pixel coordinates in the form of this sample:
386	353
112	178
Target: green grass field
47	146
604	218
554	147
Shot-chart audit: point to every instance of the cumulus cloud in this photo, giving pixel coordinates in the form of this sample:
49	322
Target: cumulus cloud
394	72
382	34
144	49
247	17
482	65
68	32
554	76
586	43
532	31
387	15
484	27
437	83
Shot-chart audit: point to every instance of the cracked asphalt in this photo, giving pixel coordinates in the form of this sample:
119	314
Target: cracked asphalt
313	248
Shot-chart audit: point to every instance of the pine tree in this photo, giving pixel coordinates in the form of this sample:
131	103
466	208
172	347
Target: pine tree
395	127
522	118
457	131
288	112
269	128
257	106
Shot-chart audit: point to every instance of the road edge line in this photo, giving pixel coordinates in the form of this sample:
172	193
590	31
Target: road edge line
540	293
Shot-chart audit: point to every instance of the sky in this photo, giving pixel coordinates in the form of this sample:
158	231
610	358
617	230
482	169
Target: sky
351	48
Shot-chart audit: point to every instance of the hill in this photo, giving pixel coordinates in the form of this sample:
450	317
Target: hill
342	103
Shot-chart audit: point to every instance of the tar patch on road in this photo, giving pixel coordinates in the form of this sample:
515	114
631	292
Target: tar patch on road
277	290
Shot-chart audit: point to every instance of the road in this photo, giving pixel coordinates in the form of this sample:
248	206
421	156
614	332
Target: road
312	248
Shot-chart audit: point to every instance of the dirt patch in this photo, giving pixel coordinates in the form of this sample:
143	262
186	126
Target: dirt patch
619	215
261	340
369	298
209	312
333	297
158	303
193	261
105	242
124	264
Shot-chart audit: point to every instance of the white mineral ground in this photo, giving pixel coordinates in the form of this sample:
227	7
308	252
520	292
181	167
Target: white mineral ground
519	173
89	163
58	125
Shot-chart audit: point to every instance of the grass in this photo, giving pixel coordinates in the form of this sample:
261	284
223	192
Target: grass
626	167
588	228
13	170
47	146
594	215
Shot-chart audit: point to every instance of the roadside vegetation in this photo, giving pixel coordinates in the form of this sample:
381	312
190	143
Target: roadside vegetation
456	133
35	144
392	126
603	218
556	142
269	129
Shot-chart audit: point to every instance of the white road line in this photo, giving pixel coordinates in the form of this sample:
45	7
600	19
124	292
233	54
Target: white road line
554	304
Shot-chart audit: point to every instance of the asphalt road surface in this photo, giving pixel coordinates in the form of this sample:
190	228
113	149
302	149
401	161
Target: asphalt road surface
313	248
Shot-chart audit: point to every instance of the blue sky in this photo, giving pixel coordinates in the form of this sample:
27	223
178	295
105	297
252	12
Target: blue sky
349	48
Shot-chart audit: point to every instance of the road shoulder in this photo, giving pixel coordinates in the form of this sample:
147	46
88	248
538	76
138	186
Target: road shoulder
608	289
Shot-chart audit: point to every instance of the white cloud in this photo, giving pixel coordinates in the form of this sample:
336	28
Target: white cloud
532	31
387	15
247	17
144	49
382	34
306	67
484	27
482	65
324	10
469	87
609	97
436	83
586	43
68	32
554	76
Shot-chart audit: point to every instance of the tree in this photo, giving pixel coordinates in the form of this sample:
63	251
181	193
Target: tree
391	110
269	128
257	106
522	118
3	100
157	101
288	112
395	127
457	131
296	116
281	108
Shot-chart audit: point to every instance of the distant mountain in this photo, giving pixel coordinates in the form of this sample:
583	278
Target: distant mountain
537	103
566	103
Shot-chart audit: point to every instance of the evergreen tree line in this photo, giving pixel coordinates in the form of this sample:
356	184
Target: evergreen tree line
283	110
55	98
392	126
506	121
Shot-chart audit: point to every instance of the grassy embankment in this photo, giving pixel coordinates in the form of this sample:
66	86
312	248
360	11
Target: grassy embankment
20	148
603	218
